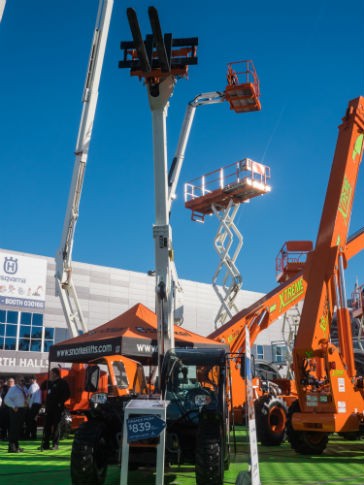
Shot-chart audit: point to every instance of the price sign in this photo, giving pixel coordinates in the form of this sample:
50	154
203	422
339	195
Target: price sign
144	427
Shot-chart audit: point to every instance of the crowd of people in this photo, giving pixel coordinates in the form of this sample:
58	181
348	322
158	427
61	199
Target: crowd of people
21	400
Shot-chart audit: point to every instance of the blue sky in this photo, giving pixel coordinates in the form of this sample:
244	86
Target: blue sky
310	60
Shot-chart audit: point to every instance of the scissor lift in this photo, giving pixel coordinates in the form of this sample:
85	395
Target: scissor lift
221	192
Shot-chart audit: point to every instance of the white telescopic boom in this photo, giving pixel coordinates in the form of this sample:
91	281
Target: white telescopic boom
2	8
203	99
64	284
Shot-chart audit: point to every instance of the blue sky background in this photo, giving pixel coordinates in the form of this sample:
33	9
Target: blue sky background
310	60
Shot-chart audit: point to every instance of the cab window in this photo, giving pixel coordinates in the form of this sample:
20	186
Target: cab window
120	375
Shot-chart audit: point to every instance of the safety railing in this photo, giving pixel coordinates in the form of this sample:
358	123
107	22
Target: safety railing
227	177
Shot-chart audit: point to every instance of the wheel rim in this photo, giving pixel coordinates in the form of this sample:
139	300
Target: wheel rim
277	419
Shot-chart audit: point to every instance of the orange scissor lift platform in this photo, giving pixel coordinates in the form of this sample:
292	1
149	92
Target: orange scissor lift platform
237	182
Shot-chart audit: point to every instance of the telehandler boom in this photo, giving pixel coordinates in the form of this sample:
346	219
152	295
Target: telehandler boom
330	393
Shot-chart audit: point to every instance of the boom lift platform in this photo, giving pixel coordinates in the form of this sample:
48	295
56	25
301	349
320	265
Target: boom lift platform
243	89
205	99
221	192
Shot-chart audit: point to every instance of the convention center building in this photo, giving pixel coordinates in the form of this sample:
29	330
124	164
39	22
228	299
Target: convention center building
31	316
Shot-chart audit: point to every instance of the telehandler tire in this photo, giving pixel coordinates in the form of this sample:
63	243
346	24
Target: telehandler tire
271	418
305	442
209	465
89	454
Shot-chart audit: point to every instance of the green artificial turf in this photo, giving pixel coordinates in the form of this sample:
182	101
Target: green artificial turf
341	463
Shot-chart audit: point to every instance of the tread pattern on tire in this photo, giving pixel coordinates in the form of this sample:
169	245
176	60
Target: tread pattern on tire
86	455
264	408
209	456
301	441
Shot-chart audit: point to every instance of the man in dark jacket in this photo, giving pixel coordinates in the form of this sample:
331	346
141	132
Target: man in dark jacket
57	394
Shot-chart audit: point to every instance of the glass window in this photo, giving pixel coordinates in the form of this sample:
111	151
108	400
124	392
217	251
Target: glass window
49	333
12	317
279	353
260	352
25	331
47	345
36	332
11	330
24	344
37	319
31	334
120	375
35	345
26	318
10	344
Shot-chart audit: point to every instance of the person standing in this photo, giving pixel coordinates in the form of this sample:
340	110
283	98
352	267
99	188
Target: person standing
57	394
16	401
4	411
35	403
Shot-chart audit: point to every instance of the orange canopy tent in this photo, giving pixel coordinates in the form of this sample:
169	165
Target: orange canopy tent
133	334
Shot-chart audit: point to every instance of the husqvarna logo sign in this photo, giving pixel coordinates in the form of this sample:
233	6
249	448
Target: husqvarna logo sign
22	281
10	265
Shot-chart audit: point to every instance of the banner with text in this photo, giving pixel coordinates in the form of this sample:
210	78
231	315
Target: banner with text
22	281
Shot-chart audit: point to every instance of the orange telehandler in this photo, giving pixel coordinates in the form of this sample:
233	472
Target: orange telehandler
272	400
330	391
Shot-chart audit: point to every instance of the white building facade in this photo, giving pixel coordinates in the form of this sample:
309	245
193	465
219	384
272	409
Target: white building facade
31	316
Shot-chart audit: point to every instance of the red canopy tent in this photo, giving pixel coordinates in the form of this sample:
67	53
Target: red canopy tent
133	334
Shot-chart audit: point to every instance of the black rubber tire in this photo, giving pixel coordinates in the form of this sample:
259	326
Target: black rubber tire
89	454
209	467
271	418
305	442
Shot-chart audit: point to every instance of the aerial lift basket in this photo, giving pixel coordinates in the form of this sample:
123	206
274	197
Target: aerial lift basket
242	91
291	259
